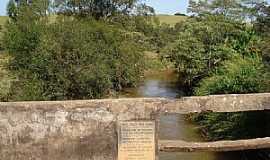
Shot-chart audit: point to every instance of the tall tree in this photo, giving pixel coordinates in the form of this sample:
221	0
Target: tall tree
94	8
230	8
18	8
12	9
262	26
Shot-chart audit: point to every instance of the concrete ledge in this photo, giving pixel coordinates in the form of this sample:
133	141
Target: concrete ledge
219	146
83	130
184	105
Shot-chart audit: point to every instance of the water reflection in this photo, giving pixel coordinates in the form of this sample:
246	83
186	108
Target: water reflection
174	126
156	85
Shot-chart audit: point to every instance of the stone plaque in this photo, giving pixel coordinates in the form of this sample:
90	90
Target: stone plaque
136	140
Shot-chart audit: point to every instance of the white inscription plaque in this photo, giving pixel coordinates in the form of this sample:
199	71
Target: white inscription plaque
136	140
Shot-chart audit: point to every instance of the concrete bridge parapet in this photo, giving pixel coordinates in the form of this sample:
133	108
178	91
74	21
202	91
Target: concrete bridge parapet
86	130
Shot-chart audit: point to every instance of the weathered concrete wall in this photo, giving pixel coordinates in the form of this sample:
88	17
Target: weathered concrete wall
86	130
74	130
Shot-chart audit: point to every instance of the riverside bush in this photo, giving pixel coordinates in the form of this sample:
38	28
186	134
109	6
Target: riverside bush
71	58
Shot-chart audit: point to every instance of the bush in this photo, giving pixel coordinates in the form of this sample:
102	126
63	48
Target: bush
234	126
203	45
180	14
6	78
241	75
72	59
215	54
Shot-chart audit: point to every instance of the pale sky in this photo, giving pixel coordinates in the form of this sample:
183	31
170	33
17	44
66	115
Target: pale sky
161	6
168	6
3	6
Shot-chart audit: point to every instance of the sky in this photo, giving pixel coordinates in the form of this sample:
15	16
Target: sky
161	6
3	6
168	6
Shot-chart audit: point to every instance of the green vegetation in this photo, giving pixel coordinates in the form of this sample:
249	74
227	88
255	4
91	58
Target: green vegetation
168	19
73	57
6	78
92	49
262	26
64	66
155	63
171	19
3	20
204	44
235	76
219	52
84	50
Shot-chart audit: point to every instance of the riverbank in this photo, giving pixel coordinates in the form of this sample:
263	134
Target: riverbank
154	64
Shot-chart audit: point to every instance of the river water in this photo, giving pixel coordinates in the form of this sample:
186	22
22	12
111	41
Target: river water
174	126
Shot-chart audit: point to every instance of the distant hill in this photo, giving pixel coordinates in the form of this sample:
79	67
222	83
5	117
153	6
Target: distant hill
3	19
171	19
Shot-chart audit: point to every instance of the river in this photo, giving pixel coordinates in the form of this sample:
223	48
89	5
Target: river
174	126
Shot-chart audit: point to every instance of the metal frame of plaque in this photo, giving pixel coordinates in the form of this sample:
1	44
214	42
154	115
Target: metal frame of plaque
137	140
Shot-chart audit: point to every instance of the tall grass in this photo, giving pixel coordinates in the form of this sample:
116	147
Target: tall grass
170	19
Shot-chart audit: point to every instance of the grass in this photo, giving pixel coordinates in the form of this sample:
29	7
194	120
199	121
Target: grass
170	19
6	77
154	63
3	20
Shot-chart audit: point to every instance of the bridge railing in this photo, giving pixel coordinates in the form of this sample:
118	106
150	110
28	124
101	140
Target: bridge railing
75	129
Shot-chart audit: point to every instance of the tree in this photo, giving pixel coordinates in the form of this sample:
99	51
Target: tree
12	9
180	14
71	59
16	8
201	46
237	76
230	8
95	8
239	69
262	26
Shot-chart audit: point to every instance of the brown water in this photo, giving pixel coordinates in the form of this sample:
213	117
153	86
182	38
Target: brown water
174	126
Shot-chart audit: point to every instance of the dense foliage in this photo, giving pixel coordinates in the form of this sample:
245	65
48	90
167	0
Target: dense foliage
204	44
240	75
70	58
262	26
94	8
219	51
237	9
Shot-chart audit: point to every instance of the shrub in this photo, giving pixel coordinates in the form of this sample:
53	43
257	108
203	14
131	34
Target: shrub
73	59
241	75
203	45
180	14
